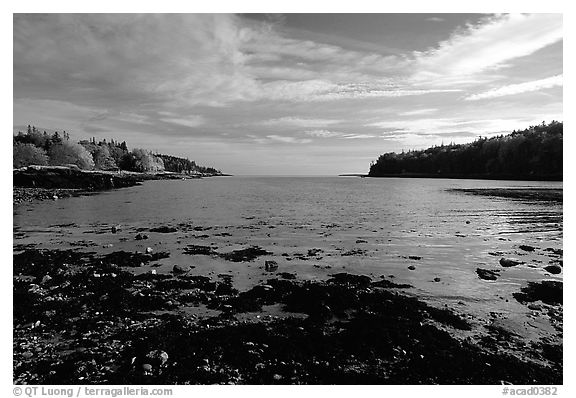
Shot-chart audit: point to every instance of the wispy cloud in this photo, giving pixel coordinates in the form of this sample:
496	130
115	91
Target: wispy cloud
323	133
441	126
418	112
520	88
336	134
295	121
190	121
288	139
491	44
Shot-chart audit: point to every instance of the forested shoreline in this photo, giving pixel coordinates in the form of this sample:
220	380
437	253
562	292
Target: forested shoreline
34	147
531	154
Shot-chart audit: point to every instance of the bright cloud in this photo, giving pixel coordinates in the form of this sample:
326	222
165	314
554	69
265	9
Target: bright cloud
513	89
491	44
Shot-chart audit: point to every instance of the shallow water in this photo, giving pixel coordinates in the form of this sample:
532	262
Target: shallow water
378	222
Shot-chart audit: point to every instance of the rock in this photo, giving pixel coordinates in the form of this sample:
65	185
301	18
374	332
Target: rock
247	254
149	250
114	229
467	221
411	267
558	252
437	279
199	250
180	269
164	230
486	274
361	241
270	265
287	275
526	248
553	269
277	377
55	197
157	357
549	292
509	262
46	279
415	257
146	368
141	237
314	252
350	279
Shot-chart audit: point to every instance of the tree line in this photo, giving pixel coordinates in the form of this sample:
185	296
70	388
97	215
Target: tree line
40	148
532	154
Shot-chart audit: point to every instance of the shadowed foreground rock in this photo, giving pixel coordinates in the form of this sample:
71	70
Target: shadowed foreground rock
80	318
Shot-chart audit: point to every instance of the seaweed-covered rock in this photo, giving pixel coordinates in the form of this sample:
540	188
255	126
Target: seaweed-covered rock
248	254
270	265
553	269
510	262
163	230
487	274
549	292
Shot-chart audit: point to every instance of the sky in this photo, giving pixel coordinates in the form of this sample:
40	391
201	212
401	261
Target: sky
293	94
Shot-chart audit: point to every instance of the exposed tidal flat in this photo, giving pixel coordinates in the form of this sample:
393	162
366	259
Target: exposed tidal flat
291	280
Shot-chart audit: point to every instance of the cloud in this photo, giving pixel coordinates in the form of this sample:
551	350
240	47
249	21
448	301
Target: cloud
520	88
190	121
441	126
289	140
336	134
322	90
357	136
489	45
323	133
419	112
435	19
298	122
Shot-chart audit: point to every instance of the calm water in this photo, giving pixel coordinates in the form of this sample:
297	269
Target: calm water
383	220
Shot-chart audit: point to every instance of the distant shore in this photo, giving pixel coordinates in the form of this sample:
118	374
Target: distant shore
505	177
53	182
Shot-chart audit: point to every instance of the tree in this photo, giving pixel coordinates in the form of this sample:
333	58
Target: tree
28	154
102	159
145	161
70	153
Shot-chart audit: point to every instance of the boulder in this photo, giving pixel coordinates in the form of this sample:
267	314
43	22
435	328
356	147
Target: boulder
553	269
141	237
180	269
510	262
270	265
486	274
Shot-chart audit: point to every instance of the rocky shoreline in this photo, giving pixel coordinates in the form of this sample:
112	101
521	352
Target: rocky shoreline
199	302
85	318
531	194
54	182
